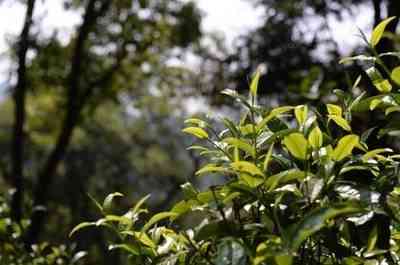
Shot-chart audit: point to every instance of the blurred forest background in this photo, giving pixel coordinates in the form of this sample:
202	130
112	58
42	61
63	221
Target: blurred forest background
101	110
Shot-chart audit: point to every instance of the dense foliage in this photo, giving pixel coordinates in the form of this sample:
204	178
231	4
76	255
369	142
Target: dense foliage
302	185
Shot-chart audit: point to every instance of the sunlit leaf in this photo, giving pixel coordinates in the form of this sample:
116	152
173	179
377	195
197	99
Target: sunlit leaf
157	218
197	132
395	75
383	86
210	168
315	138
301	114
345	146
378	31
375	103
340	122
254	83
334	110
357	58
274	113
248	167
297	145
242	145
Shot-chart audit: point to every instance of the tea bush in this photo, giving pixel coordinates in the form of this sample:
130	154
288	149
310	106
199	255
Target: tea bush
14	252
303	185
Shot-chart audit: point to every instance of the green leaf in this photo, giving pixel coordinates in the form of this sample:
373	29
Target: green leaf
345	146
357	58
340	122
315	138
297	145
198	122
189	191
315	221
395	75
334	110
210	168
197	132
139	204
254	83
274	113
251	181
383	86
107	203
96	203
284	177
81	226
248	167
392	109
284	260
375	152
375	103
157	218
378	31
242	145
301	113
372	238
132	249
268	158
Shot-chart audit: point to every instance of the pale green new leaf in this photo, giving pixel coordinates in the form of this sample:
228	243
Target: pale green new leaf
268	157
334	110
383	86
242	145
197	122
274	113
197	132
297	145
375	103
395	75
345	146
340	122
210	168
139	204
301	114
107	203
378	31
248	167
254	83
81	226
315	138
157	218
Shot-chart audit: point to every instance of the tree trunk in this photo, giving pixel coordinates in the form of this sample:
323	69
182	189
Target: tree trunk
17	147
71	119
